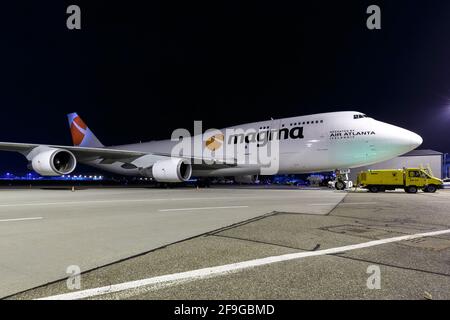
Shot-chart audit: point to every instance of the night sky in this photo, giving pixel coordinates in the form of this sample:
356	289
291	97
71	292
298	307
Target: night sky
137	71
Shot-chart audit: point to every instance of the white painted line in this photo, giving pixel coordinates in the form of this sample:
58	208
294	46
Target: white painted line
87	202
21	219
201	208
350	203
103	201
74	202
342	203
228	268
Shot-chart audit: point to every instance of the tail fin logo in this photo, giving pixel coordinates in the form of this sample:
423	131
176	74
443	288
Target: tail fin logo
82	136
78	129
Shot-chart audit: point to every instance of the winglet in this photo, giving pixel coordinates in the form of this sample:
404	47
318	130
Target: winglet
82	136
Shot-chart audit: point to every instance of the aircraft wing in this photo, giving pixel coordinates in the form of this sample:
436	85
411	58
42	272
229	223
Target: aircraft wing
89	153
88	148
79	152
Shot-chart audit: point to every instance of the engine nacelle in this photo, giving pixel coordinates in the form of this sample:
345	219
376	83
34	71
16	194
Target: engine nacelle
248	179
54	162
172	170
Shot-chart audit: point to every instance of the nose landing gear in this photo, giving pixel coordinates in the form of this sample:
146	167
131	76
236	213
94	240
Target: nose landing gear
342	181
340	185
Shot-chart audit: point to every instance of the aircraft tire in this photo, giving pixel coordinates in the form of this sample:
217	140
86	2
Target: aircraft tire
340	185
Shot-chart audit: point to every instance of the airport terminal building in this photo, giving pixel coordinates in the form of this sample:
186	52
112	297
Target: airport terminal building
414	159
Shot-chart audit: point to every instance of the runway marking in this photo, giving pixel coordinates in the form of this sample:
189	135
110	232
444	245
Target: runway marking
342	203
110	201
169	279
201	208
350	203
21	219
76	202
135	200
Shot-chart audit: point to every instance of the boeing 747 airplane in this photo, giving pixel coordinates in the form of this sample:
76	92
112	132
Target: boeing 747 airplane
314	143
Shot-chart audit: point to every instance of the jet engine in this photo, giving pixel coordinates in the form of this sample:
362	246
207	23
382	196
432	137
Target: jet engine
54	162
172	170
248	179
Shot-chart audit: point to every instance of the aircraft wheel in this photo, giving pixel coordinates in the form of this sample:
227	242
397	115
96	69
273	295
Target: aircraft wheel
340	185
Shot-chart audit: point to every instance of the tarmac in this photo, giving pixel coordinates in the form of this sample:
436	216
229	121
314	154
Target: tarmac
225	243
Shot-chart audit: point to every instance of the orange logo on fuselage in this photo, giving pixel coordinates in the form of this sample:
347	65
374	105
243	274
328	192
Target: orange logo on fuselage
214	142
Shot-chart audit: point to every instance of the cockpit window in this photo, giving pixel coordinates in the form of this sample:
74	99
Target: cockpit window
359	116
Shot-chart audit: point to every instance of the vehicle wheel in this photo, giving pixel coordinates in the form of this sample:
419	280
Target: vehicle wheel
340	185
411	189
373	189
431	188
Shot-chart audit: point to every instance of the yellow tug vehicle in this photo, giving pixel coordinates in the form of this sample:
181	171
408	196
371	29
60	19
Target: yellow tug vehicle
410	179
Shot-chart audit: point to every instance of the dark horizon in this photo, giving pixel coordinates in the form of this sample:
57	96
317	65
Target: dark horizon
137	72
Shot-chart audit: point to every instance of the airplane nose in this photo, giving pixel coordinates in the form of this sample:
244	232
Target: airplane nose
407	139
393	141
398	139
415	139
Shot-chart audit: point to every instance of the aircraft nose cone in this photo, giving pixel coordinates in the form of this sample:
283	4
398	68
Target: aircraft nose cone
393	141
409	139
415	139
399	139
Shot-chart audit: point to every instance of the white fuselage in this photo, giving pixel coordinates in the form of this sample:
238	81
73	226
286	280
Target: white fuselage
315	143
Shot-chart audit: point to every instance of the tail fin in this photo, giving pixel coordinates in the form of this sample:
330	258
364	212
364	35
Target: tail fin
82	136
